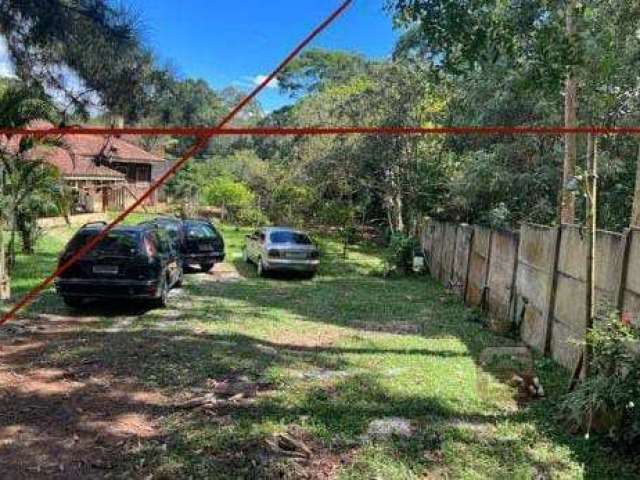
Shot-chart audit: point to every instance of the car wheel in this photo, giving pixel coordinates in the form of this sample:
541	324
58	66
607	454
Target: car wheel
261	270
162	300
206	266
73	302
309	275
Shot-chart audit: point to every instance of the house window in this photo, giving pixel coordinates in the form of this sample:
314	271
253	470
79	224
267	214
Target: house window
143	173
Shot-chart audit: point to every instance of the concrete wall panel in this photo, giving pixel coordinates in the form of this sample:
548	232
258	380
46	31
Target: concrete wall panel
461	257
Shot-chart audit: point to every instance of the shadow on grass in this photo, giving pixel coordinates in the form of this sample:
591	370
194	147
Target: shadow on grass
109	367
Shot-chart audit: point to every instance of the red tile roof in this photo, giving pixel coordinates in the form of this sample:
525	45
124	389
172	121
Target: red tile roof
73	166
75	157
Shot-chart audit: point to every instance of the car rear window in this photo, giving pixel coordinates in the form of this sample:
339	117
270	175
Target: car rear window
200	231
115	243
290	237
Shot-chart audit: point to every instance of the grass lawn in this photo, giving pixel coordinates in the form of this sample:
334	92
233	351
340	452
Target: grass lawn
337	353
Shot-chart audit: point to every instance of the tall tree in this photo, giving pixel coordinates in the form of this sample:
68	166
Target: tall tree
317	68
51	40
539	40
635	214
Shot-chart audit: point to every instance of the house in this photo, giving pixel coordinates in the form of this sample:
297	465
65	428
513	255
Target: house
104	172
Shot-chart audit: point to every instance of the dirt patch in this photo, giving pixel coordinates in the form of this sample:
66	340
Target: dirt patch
307	339
221	273
232	391
295	454
67	416
513	366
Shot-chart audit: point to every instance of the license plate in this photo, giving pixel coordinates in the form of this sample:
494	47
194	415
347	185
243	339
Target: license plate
297	255
105	269
205	248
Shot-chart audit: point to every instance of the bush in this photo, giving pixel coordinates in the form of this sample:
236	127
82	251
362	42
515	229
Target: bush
606	401
399	253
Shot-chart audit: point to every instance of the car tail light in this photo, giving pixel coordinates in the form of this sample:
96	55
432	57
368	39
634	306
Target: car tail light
274	253
315	254
149	247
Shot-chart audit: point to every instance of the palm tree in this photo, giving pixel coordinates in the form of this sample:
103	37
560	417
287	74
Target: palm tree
28	185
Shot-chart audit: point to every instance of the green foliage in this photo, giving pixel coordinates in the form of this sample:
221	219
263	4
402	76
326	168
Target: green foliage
606	400
233	196
317	68
97	40
29	187
399	252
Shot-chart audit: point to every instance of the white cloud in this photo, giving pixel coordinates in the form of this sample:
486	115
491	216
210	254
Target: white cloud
258	79
6	66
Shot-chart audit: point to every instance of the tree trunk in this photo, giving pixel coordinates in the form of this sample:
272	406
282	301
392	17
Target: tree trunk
635	214
5	292
568	207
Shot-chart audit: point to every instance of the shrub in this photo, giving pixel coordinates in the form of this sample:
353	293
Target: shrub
399	253
606	401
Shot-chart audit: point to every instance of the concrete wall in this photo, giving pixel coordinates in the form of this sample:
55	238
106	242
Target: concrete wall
535	279
478	265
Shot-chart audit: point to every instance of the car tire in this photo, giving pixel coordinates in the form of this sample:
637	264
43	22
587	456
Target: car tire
260	268
73	302
309	275
206	266
162	300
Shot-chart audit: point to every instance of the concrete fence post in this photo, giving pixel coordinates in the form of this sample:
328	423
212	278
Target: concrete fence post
466	273
513	299
487	266
623	262
551	294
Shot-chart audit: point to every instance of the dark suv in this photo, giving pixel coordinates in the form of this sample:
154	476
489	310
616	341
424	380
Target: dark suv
135	262
198	241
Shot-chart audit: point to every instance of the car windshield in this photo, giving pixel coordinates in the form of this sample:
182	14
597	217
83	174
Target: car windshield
289	237
199	231
115	243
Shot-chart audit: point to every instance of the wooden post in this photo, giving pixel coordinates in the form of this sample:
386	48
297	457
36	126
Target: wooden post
551	294
592	193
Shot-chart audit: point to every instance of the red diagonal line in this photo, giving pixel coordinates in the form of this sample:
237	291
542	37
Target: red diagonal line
281	131
202	141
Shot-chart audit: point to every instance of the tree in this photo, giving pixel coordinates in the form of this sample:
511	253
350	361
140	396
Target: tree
231	195
29	186
635	215
584	48
314	69
95	40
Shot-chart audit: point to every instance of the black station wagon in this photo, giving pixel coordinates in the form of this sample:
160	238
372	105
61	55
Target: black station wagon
197	240
133	262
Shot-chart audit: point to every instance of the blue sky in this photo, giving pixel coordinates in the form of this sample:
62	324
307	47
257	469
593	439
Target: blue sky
235	43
